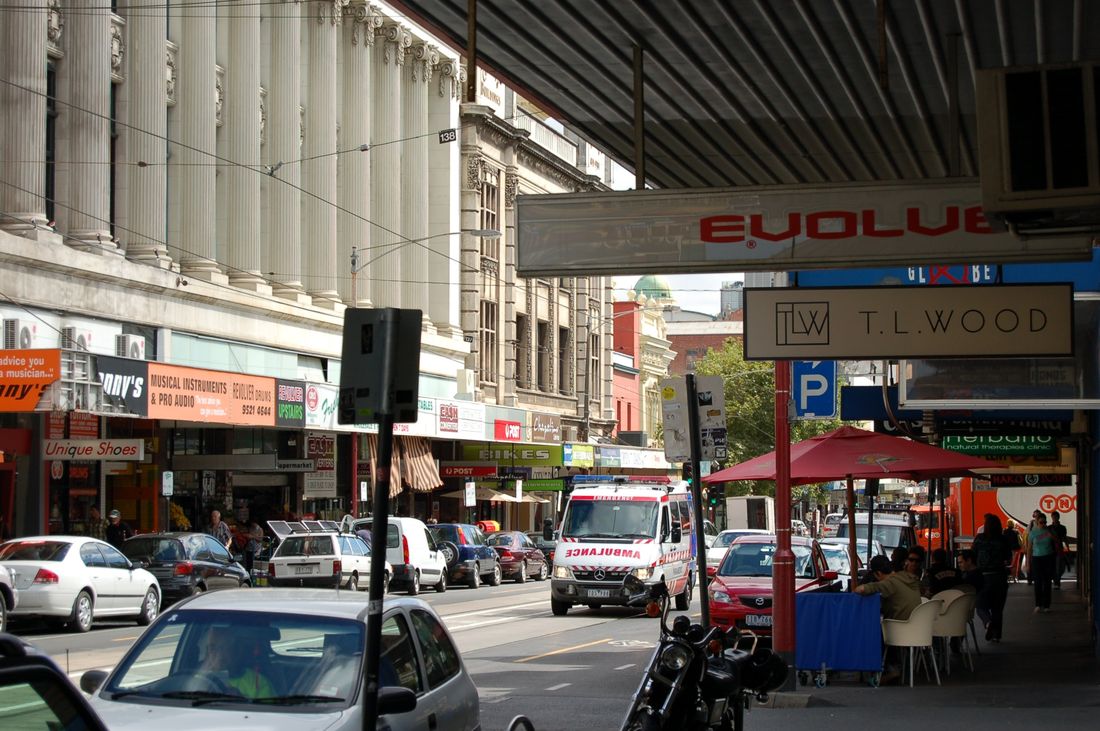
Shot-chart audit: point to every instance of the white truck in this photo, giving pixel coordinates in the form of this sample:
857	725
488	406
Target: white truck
751	511
613	527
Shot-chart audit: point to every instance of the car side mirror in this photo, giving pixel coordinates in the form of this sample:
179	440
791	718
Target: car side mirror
91	680
395	699
676	534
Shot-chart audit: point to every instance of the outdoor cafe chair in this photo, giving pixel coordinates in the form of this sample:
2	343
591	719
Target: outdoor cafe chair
953	622
914	633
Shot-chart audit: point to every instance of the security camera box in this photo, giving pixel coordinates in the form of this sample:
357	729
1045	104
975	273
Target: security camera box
370	337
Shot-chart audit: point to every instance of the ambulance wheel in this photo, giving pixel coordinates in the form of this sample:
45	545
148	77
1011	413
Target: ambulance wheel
559	608
593	605
683	599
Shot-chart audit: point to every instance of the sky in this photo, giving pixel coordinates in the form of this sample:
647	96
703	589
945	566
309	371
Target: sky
696	292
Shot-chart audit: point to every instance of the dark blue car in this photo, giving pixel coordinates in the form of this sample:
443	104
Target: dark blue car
475	561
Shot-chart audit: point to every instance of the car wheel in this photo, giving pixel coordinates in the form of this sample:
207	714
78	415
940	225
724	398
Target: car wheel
521	577
683	599
543	573
441	586
559	608
3	615
150	607
496	576
353	582
414	584
245	585
81	618
198	589
475	578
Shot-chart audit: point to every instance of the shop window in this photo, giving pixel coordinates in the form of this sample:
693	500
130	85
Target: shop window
544	354
488	341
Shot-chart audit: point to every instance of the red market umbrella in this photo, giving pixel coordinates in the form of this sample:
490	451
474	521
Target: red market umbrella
848	452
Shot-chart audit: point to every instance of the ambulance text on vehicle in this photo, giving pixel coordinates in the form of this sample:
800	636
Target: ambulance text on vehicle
615	527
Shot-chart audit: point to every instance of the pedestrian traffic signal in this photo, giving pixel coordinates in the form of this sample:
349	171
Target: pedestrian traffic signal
685	472
713	494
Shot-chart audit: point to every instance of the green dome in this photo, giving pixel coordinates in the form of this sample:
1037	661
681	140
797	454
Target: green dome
654	286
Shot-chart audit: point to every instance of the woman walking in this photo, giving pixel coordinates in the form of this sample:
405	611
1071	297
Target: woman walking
993	558
1041	558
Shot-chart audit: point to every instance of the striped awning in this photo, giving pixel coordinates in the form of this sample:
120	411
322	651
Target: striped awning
417	464
395	464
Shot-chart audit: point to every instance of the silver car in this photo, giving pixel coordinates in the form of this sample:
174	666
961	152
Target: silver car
283	659
9	596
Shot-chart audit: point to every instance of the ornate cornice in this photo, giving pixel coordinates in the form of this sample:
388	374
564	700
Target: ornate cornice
366	19
423	56
396	39
511	185
331	10
473	172
452	75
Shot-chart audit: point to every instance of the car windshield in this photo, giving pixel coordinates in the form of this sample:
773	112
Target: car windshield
213	657
500	539
611	519
34	551
154	549
305	546
889	535
755	559
837	558
727	537
450	532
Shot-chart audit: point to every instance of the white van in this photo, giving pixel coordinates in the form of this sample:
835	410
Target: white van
614	527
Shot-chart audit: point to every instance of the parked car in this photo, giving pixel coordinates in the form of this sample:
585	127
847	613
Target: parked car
520	558
475	559
416	555
186	563
840	561
9	597
861	546
288	659
798	528
74	580
832	520
37	694
319	557
890	529
717	549
741	592
546	545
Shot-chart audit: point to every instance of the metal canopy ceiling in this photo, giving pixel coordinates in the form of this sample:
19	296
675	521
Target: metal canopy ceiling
767	91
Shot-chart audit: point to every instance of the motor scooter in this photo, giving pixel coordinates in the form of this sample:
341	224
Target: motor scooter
699	678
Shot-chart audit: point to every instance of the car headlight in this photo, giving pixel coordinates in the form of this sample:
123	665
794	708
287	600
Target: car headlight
563	572
675	658
643	573
720	597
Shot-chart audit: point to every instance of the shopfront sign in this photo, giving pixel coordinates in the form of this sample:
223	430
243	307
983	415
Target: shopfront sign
608	457
295	465
507	431
25	375
321	449
83	425
461	419
290	404
578	455
1030	480
467	469
193	394
514	455
124	383
909	322
545	428
122	450
1014	444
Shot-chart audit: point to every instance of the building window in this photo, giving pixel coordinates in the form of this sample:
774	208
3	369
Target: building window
565	387
488	341
594	367
523	351
545	352
490	211
51	138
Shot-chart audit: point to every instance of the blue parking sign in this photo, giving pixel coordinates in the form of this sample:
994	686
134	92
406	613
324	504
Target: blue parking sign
813	386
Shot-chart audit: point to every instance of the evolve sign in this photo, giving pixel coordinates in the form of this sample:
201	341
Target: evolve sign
773	228
909	322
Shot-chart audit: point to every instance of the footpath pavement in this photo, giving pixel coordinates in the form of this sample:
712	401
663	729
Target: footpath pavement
1044	671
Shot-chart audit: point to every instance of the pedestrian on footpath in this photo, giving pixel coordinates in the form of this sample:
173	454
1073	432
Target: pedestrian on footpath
220	530
992	559
1042	544
1060	533
118	531
97	526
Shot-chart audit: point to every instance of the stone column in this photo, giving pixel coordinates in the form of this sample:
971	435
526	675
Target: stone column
197	89
148	115
386	237
242	141
89	62
23	112
284	145
353	229
319	151
444	163
415	258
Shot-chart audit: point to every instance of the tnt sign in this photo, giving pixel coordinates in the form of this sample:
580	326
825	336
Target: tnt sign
1062	503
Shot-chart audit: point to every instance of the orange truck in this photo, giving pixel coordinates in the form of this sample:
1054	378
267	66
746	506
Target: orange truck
971	498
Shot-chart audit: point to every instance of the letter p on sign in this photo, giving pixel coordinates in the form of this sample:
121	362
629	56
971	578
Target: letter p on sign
814	388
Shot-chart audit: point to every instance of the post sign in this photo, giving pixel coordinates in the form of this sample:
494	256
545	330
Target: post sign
712	418
813	384
909	322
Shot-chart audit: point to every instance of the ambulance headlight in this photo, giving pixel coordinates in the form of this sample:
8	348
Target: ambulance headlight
563	572
643	573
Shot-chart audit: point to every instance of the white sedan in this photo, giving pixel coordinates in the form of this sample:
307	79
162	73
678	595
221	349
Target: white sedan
75	580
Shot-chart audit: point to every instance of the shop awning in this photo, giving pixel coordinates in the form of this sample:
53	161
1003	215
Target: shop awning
395	464
417	465
482	493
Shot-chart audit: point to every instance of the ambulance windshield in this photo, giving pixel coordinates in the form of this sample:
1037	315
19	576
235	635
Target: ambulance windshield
611	519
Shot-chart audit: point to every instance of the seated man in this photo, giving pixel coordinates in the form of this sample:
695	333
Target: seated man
236	659
940	575
900	590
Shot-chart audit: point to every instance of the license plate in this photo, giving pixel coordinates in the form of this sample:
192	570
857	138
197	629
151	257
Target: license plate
303	569
599	593
759	620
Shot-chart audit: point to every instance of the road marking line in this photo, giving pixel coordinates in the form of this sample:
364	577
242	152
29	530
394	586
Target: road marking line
625	667
565	649
559	686
125	639
493	609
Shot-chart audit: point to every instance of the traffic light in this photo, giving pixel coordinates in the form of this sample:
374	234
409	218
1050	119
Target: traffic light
685	472
713	493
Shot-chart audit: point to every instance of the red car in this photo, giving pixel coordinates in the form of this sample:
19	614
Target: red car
520	558
741	592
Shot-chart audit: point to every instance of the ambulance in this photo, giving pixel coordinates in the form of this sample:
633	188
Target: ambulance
613	527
